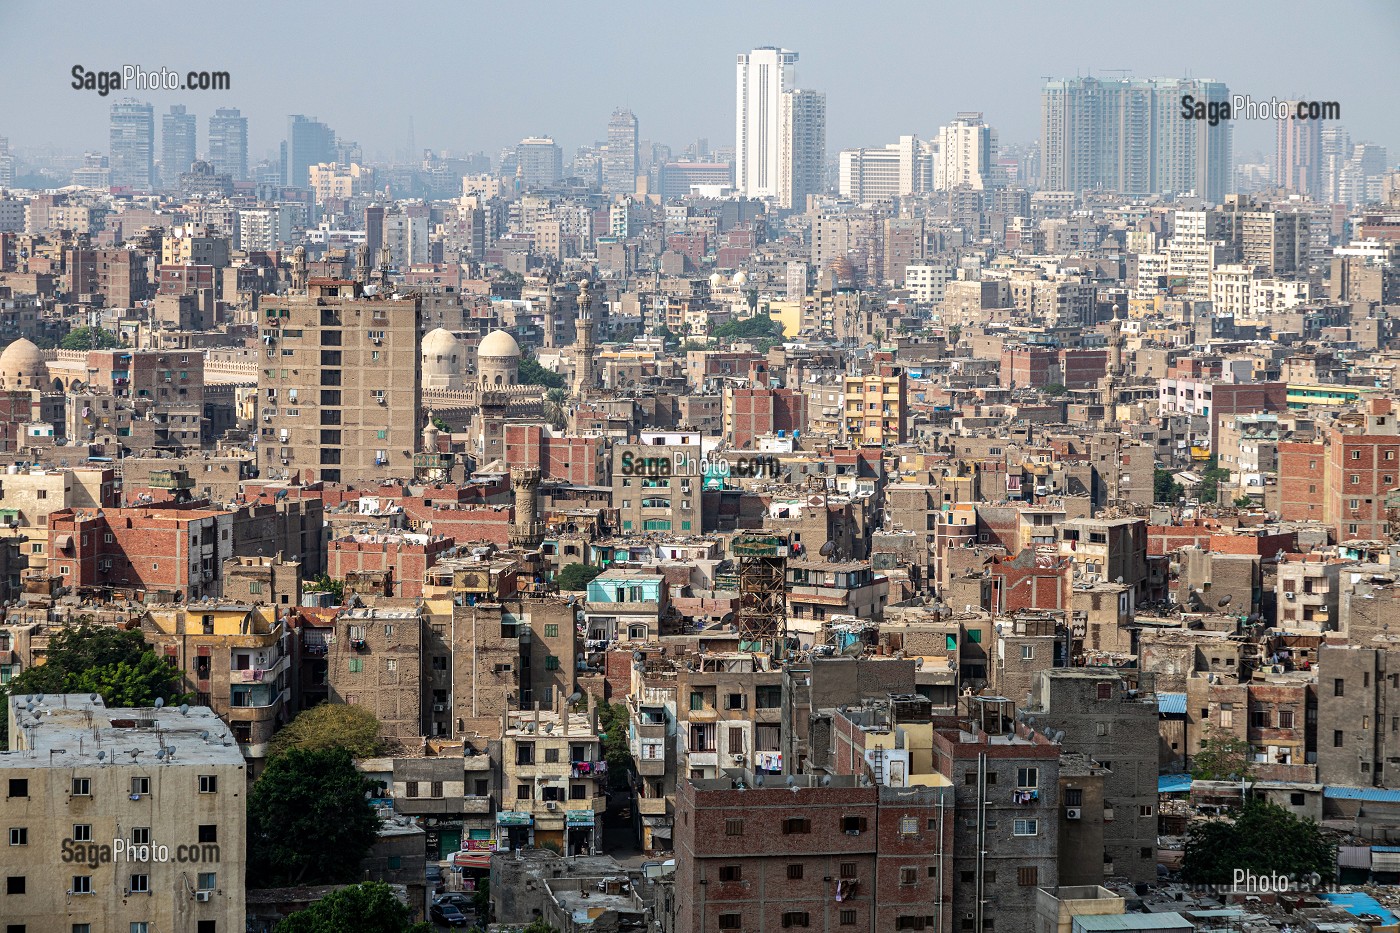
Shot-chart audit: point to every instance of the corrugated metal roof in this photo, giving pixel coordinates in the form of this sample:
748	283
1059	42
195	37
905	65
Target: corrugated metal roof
1354	856
1358	904
1173	783
1362	793
1171	704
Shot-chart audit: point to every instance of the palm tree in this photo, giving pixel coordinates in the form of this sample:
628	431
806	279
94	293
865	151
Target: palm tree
554	402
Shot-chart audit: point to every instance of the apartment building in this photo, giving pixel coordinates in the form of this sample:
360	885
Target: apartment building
235	658
121	818
656	482
338	385
28	499
1357	743
876	406
375	660
729	712
553	780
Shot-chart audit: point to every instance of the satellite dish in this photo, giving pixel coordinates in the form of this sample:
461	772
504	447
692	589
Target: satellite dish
101	756
827	549
160	701
826	780
92	697
184	709
161	754
1224	601
758	780
791	780
204	735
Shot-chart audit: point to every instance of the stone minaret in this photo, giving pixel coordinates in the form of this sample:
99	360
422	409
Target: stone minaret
585	377
528	531
549	322
1115	373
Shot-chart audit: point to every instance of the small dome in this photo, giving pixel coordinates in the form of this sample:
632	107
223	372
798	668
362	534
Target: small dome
440	342
22	365
716	280
740	277
498	343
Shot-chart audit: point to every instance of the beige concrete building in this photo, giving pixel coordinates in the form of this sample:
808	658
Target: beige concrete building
554	781
339	385
121	819
376	661
27	499
235	658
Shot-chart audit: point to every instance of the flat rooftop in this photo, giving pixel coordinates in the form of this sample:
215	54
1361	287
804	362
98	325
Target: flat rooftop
74	730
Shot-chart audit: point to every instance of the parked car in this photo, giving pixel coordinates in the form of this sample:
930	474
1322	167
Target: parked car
460	901
449	915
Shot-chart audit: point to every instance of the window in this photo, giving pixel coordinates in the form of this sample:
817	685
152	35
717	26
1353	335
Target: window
140	785
848	918
908	826
19	787
411	789
1027	778
356	665
82	832
139	926
1028	652
853	824
14	884
1028	876
795	918
1105	691
82	928
795	825
141	835
730	921
908	875
208	783
848	869
82	884
1338	687
551	630
82	787
1337	739
208	832
1145	810
733	827
1074	797
794	872
734	701
1285	719
730	873
19	836
208	881
391	665
1026	828
140	884
522	792
905	922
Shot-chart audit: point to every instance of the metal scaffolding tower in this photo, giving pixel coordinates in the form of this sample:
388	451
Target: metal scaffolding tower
762	614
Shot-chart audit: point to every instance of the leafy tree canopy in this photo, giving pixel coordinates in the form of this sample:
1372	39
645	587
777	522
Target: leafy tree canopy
324	584
533	374
331	725
576	576
1264	839
1222	757
752	328
614	723
1165	489
309	821
370	907
113	662
89	338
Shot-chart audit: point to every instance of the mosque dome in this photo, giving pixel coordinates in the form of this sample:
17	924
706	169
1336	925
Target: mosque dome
498	344
22	365
442	359
498	359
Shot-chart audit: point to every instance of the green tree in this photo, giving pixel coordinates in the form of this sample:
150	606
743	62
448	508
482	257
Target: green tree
103	659
1243	502
574	577
89	338
1222	757
370	907
539	926
1264	839
331	725
309	819
556	402
1211	478
324	584
751	328
1055	389
1165	489
614	722
533	374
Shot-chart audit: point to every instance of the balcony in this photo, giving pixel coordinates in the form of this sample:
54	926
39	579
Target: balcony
652	806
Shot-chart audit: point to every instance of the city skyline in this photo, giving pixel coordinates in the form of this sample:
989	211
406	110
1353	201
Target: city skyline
683	90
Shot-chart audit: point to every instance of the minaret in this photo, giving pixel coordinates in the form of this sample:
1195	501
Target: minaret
584	378
548	342
1115	372
527	532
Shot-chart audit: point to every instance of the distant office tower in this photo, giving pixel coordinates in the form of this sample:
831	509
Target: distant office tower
7	163
228	143
896	170
309	143
967	154
177	144
620	161
802	148
1298	154
1128	136
132	159
539	162
764	75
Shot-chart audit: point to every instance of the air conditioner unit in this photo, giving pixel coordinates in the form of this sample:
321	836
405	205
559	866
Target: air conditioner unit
1290	596
852	832
285	461
1073	813
377	340
203	895
439	707
551	805
738	757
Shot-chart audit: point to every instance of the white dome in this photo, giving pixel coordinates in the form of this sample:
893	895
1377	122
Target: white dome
496	344
440	342
716	280
740	277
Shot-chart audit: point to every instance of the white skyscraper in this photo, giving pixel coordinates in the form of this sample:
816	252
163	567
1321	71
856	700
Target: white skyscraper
967	154
764	75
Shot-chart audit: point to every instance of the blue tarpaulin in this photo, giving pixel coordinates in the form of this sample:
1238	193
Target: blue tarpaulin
1173	783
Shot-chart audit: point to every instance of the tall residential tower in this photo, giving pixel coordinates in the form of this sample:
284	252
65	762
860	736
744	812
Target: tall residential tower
620	161
133	134
177	144
228	143
763	76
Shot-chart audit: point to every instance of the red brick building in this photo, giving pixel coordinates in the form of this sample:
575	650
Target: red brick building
1302	470
401	559
582	461
160	548
754	412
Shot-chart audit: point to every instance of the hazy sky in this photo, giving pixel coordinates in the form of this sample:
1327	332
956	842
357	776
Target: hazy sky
482	75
